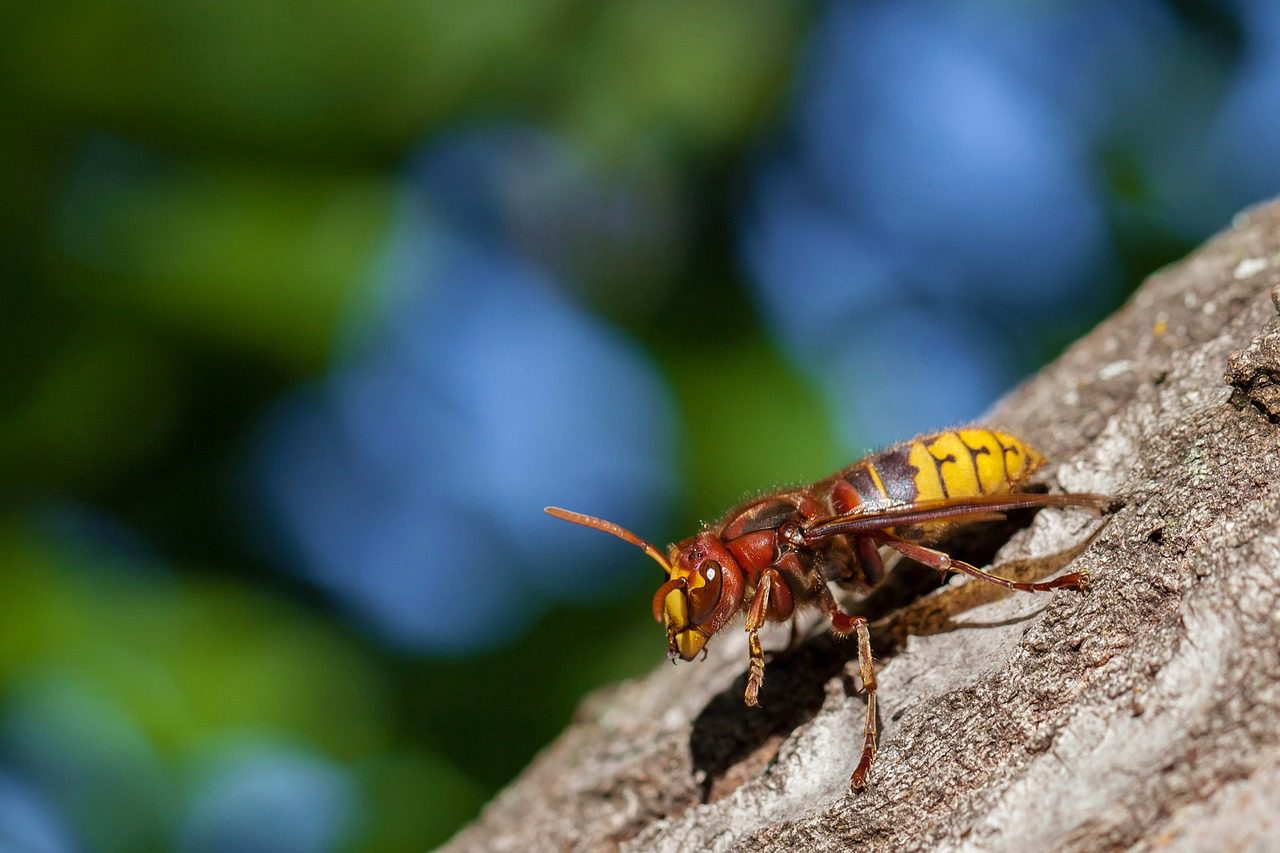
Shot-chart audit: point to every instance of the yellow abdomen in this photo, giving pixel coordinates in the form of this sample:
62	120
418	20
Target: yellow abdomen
967	462
956	463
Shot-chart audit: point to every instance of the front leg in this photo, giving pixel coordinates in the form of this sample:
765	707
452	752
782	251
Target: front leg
771	598
755	672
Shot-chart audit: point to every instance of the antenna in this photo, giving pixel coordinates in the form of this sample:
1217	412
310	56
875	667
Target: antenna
613	529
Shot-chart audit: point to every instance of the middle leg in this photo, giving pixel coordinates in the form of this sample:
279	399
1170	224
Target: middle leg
843	624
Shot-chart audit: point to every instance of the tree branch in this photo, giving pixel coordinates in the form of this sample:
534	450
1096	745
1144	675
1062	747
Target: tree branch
1144	712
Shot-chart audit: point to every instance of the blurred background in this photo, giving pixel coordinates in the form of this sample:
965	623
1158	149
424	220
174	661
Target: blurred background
309	308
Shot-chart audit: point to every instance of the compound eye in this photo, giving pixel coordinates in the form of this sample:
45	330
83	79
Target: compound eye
704	597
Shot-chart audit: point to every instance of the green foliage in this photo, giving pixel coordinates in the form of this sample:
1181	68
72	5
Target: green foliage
187	656
228	254
417	801
198	200
147	670
738	399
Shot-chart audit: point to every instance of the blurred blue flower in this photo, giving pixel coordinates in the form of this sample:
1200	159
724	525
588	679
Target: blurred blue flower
938	200
411	482
818	278
1095	63
269	798
921	370
938	149
28	821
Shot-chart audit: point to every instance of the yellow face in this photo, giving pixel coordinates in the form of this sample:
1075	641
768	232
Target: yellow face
682	640
687	607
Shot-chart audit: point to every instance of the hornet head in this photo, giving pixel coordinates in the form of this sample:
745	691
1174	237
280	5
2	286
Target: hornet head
703	589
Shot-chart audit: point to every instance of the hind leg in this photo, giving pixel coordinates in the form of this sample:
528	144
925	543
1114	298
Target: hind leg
943	562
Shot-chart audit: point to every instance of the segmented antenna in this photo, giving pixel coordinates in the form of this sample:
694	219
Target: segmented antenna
613	529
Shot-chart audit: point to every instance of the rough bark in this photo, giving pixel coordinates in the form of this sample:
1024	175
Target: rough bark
1144	713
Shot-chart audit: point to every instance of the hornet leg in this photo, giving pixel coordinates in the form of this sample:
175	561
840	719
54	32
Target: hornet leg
843	625
770	581
869	557
944	563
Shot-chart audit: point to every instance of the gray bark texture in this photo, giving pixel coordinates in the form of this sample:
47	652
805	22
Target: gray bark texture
1143	713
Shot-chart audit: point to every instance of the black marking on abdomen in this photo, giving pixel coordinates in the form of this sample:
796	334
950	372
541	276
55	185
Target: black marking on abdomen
938	462
974	453
1015	450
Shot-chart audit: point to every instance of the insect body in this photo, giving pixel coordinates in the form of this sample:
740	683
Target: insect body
775	553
